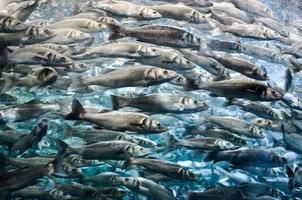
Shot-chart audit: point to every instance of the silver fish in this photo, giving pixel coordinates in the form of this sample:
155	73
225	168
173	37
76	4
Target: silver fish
128	9
155	34
118	121
160	102
10	25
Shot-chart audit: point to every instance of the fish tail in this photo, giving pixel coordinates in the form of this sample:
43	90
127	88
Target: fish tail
68	130
76	82
118	102
117	31
76	110
190	85
170	141
10	81
218	28
56	166
128	163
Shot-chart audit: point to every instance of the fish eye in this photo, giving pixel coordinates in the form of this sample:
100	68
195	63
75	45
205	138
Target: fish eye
82	34
165	72
154	12
159	125
153	50
195	102
63	59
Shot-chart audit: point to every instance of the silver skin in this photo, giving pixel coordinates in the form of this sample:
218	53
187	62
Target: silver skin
232	11
258	109
119	50
146	187
117	121
161	103
123	8
36	55
105	179
168	59
264	158
33	192
295	49
93	16
235	125
108	150
69	36
201	143
67	50
30	36
240	88
85	25
169	169
126	77
292	141
255	7
246	30
217	193
9	137
273	24
11	25
41	77
156	34
91	136
226	20
208	64
22	10
179	12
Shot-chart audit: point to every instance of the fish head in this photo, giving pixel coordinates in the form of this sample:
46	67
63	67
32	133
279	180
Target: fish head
107	20
79	36
196	17
184	62
256	132
271	94
260	73
192	104
137	150
151	125
147	51
264	123
131	181
149	13
191	39
116	180
72	171
187	173
117	193
78	67
269	33
39	34
179	80
97	26
158	74
225	145
10	24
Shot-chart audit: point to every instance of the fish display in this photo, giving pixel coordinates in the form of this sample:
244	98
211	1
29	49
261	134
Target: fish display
157	100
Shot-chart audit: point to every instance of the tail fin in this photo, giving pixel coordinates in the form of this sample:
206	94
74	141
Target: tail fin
218	28
68	130
118	102
117	31
76	110
171	141
76	82
190	85
10	81
57	164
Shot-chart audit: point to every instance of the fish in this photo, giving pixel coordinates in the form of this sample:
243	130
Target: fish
33	191
256	157
200	143
146	187
215	133
140	75
89	14
217	193
239	88
225	20
119	50
128	9
255	31
156	34
255	7
295	50
10	25
179	12
234	125
160	166
117	121
237	64
27	141
41	77
273	24
85	25
90	136
104	179
108	150
67	50
29	110
22	10
31	35
67	36
45	56
21	178
256	108
168	59
160	103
